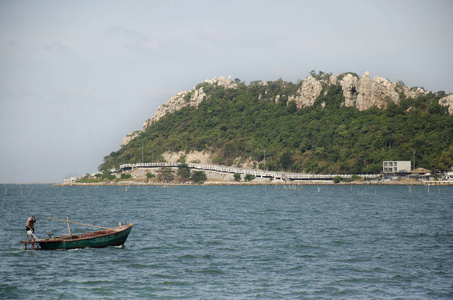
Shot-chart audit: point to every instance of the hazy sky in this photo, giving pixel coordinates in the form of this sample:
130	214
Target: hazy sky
77	76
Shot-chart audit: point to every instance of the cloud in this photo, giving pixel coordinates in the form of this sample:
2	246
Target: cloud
150	45
87	95
59	49
19	46
210	33
133	40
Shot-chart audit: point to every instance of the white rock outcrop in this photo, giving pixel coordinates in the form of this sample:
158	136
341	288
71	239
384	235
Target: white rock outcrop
362	93
182	99
448	102
310	90
129	137
222	81
349	85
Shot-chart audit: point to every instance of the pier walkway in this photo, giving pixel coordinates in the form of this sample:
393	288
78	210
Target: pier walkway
286	176
439	182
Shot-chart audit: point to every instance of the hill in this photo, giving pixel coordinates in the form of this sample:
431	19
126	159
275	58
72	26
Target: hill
325	123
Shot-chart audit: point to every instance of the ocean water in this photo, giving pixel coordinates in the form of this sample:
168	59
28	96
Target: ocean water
236	242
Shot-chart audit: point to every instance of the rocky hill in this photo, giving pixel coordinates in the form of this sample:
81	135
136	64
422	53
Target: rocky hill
324	124
185	98
362	93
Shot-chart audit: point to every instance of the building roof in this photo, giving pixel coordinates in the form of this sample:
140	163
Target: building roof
421	171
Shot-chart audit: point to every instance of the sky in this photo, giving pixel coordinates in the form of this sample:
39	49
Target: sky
77	76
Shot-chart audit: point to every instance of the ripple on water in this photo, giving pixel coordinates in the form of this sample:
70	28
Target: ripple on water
236	242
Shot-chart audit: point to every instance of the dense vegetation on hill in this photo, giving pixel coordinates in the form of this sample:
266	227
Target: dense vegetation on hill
239	124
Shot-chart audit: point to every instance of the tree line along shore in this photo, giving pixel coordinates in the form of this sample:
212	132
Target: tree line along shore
183	175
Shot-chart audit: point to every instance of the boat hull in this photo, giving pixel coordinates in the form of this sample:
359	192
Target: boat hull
99	239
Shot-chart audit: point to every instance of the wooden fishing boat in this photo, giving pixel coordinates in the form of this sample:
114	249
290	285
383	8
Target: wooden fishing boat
106	237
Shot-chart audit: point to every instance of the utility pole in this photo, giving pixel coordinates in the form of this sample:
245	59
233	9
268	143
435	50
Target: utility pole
413	157
142	154
264	160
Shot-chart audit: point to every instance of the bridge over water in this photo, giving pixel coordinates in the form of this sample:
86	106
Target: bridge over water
257	173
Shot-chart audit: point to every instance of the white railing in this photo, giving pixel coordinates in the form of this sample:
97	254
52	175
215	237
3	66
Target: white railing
256	173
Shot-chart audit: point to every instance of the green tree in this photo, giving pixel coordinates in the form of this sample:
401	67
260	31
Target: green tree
183	171
286	160
166	174
249	177
198	177
125	176
355	177
327	137
149	176
106	175
237	177
337	179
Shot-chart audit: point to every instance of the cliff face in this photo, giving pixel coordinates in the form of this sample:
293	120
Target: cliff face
188	98
185	98
307	94
361	93
448	102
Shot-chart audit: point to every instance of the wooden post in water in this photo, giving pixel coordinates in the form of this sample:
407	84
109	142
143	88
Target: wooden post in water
69	229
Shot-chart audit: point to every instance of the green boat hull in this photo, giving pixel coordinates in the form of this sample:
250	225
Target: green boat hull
99	239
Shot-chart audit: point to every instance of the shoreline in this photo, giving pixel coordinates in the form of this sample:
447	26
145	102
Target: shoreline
223	183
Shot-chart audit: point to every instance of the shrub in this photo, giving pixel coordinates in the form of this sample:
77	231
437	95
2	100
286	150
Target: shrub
166	174
183	171
182	158
149	176
107	176
355	177
337	179
125	176
199	177
237	177
249	177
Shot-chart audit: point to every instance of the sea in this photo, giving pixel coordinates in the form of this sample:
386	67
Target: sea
233	242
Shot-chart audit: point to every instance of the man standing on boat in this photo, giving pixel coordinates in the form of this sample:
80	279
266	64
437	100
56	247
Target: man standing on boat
30	227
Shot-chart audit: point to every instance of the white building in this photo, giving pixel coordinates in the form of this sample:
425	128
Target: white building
396	166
